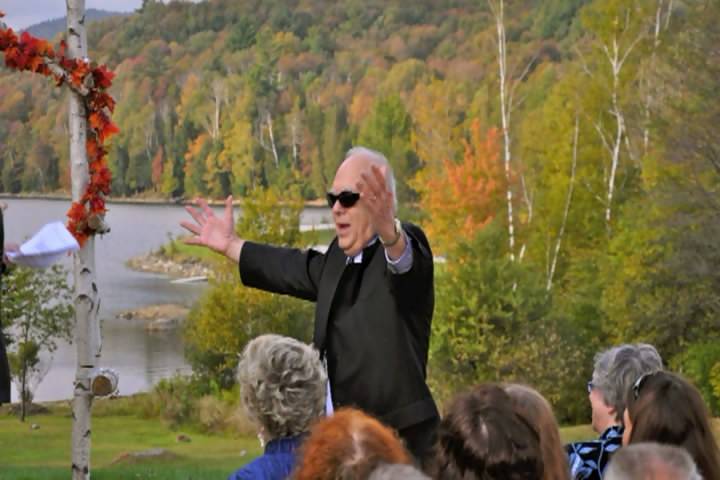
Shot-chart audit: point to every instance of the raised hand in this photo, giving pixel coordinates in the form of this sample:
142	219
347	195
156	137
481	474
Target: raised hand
379	201
209	230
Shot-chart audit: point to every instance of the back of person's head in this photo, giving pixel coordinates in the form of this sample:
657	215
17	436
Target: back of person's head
665	408
348	445
397	472
481	437
652	461
535	409
282	385
617	368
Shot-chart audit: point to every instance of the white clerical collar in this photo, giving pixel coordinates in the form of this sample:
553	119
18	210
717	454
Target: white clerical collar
359	257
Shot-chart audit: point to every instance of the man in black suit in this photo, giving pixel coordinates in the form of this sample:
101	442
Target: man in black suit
373	290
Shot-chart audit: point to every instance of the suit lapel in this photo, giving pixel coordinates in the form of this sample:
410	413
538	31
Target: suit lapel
334	267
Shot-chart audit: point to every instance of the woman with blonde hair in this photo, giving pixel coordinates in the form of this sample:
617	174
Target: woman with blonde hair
535	409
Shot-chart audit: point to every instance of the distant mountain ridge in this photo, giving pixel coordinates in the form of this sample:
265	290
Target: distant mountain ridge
49	28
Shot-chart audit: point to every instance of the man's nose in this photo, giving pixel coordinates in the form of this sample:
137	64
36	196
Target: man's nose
337	209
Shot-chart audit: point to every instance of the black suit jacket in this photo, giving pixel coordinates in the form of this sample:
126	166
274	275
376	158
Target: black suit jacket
385	333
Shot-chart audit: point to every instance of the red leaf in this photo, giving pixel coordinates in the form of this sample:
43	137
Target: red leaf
103	77
97	121
110	130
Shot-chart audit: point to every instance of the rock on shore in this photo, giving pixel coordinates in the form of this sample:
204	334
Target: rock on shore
158	317
155	263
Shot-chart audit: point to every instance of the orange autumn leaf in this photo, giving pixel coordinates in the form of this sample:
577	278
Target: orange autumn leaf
102	76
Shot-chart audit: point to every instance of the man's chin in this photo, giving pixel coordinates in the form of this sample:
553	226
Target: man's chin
348	250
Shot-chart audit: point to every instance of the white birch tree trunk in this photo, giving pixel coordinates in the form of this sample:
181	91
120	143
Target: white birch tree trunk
498	10
272	139
616	59
86	301
568	201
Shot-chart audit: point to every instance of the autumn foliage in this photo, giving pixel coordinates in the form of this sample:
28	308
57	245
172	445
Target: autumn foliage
28	53
462	197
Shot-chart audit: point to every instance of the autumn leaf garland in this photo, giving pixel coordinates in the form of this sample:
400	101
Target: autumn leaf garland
28	53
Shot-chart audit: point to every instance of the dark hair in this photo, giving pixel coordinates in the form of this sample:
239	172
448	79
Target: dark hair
482	438
535	409
665	408
348	445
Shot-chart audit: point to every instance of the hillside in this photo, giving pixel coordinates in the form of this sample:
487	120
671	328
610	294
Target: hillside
576	202
49	28
307	70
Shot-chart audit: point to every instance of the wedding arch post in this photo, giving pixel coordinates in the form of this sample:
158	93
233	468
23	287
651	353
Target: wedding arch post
86	298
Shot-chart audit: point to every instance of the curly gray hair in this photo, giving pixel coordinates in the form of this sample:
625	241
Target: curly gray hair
617	369
282	385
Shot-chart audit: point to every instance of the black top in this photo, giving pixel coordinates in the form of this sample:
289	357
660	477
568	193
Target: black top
372	325
4	366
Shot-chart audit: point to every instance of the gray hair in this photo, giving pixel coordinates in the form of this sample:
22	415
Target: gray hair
380	160
642	461
396	472
617	369
282	385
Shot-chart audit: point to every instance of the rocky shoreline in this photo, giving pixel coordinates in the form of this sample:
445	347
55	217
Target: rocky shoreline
157	317
157	263
166	316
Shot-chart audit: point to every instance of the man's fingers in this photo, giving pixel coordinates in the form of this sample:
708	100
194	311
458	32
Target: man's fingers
379	177
229	210
191	227
195	214
202	203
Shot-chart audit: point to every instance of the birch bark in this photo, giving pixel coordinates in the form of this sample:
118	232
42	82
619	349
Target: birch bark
86	300
498	10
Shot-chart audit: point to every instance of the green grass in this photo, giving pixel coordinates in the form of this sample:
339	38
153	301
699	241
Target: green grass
577	433
45	452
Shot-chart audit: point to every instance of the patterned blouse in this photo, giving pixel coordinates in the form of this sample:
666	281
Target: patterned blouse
589	459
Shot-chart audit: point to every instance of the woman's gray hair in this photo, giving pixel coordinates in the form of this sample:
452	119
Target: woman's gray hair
397	472
617	369
282	385
380	160
651	460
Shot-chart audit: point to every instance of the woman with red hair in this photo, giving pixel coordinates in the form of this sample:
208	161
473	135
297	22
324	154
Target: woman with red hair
349	445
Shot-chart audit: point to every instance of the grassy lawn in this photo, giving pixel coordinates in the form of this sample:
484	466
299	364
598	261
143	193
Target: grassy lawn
45	452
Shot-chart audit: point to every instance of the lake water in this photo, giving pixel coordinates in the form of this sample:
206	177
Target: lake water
141	358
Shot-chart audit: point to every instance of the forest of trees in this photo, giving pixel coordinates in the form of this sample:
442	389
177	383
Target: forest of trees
563	154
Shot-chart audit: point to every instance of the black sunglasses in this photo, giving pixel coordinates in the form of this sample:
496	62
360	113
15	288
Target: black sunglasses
346	198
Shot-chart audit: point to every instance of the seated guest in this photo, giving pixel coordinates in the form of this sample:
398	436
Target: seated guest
282	389
614	372
397	472
481	437
665	408
652	461
530	405
348	445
